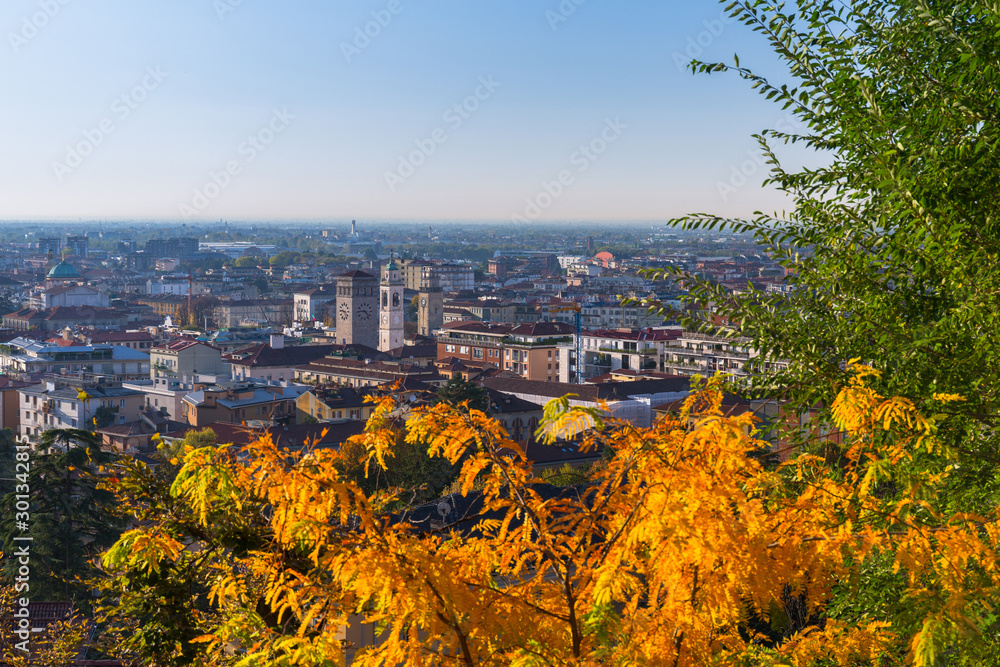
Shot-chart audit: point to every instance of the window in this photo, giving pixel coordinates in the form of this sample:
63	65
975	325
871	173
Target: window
122	403
477	353
449	348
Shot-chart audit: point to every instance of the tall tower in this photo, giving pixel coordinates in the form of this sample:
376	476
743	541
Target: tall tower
357	309
390	327
430	308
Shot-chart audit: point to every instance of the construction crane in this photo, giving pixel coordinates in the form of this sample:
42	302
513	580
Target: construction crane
578	338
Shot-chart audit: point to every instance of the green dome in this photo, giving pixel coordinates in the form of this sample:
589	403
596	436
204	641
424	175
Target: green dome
63	271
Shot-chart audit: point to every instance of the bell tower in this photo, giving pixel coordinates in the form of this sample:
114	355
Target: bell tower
390	323
430	308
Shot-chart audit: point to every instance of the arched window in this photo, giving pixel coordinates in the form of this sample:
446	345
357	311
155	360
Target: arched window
395	299
385	299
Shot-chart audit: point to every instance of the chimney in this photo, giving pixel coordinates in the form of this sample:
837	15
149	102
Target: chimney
277	342
67	334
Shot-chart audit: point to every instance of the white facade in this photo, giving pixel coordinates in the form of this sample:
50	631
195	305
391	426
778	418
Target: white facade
390	324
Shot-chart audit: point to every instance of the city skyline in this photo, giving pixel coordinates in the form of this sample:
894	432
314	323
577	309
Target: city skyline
383	111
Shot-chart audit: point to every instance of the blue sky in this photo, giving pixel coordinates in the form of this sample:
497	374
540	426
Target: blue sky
260	110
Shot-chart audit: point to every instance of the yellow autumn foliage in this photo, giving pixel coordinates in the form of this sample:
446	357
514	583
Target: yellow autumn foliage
681	550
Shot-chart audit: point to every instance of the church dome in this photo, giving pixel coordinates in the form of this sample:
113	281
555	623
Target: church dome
63	271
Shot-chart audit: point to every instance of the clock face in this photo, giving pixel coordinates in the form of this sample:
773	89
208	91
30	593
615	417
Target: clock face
345	311
423	302
365	311
385	320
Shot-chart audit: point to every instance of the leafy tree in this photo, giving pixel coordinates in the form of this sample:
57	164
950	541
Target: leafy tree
680	550
71	517
892	247
104	416
457	390
246	262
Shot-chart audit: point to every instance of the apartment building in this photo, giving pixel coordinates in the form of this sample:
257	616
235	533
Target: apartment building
114	362
184	358
450	277
54	404
609	350
529	350
239	402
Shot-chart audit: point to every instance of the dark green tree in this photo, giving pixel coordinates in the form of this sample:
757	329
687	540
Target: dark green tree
457	390
72	517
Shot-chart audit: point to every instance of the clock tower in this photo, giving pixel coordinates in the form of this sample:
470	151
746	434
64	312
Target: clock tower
430	304
357	309
390	324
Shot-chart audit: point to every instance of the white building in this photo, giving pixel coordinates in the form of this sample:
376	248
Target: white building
607	350
48	405
115	362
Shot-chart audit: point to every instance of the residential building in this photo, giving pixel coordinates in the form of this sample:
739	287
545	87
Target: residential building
184	359
366	373
529	350
487	310
79	244
253	312
137	340
57	319
314	304
137	436
241	402
113	362
174	247
177	285
332	402
606	350
450	277
273	361
54	404
164	305
10	403
163	394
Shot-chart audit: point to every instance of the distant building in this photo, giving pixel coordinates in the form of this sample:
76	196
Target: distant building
175	247
61	273
273	361
69	296
357	373
607	350
450	277
390	325
330	403
314	304
79	244
57	319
